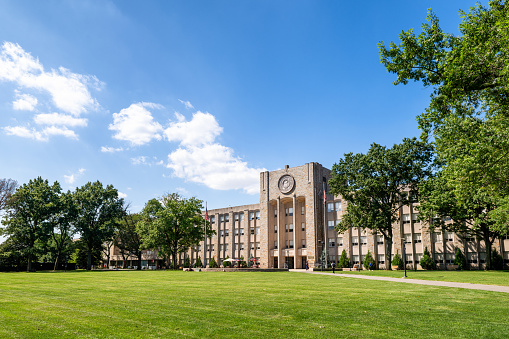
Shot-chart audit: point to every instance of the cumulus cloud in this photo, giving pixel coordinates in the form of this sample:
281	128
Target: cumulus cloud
59	119
69	91
70	179
43	135
187	104
136	125
105	149
122	195
141	160
202	129
24	102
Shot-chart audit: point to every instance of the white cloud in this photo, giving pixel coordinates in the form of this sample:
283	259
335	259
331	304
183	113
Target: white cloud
70	179
122	195
182	190
24	102
187	104
59	119
141	160
43	135
202	129
69	91
111	149
215	166
136	124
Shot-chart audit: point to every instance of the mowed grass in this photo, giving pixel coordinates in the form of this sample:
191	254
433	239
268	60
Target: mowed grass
500	278
168	304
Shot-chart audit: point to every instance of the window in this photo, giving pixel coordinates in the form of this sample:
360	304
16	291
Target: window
226	232
211	247
331	224
355	241
408	258
417	238
469	239
407	238
340	241
381	259
252	246
221	247
332	243
302	210
241	246
257	245
251	216
291	243
275	228
449	258
472	258
236	231
338	221
338	206
257	230
449	236
406	218
226	217
251	230
258	215
330	207
415	217
226	247
236	247
437	237
275	213
290	228
236	216
303	226
289	211
241	216
286	244
355	259
221	217
241	231
275	245
303	243
364	240
221	233
482	257
286	228
379	239
439	258
417	258
212	219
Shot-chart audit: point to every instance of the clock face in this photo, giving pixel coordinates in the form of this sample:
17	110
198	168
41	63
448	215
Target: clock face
286	183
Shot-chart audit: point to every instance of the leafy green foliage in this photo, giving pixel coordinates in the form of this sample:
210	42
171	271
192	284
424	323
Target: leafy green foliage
376	184
344	262
397	261
427	262
172	224
187	262
126	237
497	260
212	263
198	262
7	189
459	259
369	263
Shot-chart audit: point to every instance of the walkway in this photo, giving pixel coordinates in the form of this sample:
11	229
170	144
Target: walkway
493	288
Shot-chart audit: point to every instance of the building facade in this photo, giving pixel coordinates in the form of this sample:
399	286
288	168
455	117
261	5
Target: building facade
294	222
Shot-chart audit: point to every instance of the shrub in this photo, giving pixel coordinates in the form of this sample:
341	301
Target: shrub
427	262
497	262
459	259
243	263
397	261
212	263
369	262
227	263
344	262
187	262
198	262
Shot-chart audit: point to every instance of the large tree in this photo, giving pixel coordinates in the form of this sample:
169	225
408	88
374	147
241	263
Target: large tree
62	222
127	238
172	225
7	188
98	209
376	184
28	216
468	116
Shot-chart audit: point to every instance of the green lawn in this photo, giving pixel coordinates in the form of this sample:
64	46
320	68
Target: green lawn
475	277
240	305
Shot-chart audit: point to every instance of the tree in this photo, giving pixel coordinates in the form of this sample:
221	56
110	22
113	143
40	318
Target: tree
98	209
344	262
198	262
172	224
127	238
376	184
459	259
369	262
397	261
467	119
427	262
28	217
7	188
212	263
62	222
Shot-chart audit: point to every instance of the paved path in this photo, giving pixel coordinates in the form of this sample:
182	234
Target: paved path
494	288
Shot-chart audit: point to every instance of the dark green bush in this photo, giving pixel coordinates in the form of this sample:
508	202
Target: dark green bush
212	263
344	262
397	261
369	262
427	262
460	260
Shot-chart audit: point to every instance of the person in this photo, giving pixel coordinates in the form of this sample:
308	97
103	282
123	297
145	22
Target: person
333	267
307	265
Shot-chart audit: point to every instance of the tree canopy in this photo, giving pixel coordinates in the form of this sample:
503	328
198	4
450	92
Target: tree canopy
376	184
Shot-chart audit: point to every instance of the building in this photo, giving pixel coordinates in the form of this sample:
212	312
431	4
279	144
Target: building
293	225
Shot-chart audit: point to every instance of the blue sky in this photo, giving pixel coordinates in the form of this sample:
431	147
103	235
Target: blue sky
198	97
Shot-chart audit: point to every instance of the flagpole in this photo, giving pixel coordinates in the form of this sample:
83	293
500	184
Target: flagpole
205	240
325	244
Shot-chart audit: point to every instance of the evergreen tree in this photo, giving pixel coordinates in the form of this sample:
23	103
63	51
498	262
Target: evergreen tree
344	262
427	262
397	261
212	263
369	262
198	262
460	260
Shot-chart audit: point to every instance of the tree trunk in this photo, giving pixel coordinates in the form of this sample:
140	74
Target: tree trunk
56	261
29	263
139	261
89	260
388	250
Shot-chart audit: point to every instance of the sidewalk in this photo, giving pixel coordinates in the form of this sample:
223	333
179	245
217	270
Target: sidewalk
493	288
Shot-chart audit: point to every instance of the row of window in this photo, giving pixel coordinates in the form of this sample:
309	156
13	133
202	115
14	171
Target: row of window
334	206
289	244
236	217
236	247
237	231
289	227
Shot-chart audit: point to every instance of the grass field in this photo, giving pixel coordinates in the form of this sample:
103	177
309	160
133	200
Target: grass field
240	305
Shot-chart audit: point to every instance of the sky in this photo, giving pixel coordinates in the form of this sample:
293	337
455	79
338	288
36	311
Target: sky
199	97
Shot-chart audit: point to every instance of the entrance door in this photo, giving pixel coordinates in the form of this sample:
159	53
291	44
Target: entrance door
289	263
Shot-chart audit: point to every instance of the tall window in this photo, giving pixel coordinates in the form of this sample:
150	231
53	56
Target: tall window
226	217
241	216
291	243
417	238
275	228
364	240
236	231
355	241
330	207
302	210
331	224
380	239
407	238
258	215
332	243
252	230
303	226
275	244
437	237
257	230
338	206
290	228
406	218
221	217
449	236
439	257
340	241
415	216
381	259
241	231
303	243
212	219
251	215
236	216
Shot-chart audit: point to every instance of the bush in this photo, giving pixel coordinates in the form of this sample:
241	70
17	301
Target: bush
427	262
459	259
369	262
187	263
227	263
344	262
243	263
212	263
497	262
397	261
198	262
